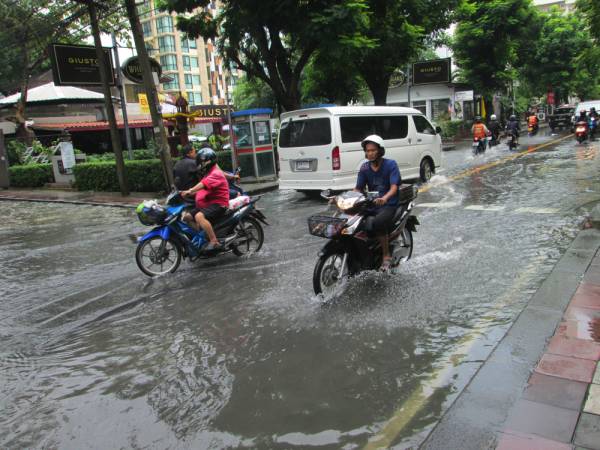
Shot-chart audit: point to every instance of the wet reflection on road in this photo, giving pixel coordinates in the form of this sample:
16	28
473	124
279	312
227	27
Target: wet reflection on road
239	353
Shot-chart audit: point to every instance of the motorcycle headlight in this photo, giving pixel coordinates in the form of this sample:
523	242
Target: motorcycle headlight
346	203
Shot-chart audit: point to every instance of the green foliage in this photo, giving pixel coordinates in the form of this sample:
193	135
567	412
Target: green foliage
453	128
273	40
18	154
139	154
400	30
591	12
252	92
142	176
492	37
32	175
563	57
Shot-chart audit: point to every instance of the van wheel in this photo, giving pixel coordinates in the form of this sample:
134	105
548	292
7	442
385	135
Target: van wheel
426	170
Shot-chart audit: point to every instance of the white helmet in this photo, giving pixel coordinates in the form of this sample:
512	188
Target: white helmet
493	117
375	139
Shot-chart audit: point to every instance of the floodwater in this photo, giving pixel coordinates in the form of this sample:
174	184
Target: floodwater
238	353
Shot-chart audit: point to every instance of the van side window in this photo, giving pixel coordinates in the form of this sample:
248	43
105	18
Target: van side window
305	133
356	128
423	126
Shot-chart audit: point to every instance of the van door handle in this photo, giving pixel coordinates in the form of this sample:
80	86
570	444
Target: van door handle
419	140
410	140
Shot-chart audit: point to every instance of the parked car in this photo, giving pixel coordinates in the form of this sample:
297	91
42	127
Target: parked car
562	117
320	148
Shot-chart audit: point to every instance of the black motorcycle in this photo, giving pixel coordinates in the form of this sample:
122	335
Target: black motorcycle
351	249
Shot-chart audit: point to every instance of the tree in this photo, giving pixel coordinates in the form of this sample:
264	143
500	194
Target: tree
591	11
273	40
253	93
491	40
562	58
400	30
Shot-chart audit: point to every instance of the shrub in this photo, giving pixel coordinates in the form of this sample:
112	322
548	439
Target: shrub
452	128
142	176
139	154
31	175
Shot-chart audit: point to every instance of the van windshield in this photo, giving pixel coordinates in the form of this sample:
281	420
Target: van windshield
305	132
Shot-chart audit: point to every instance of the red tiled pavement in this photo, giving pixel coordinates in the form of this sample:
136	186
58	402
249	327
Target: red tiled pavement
555	391
581	323
566	367
587	296
577	348
511	440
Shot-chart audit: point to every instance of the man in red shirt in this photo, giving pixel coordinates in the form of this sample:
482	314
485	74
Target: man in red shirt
212	196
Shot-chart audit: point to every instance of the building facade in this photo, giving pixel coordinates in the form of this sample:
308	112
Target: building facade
545	5
194	64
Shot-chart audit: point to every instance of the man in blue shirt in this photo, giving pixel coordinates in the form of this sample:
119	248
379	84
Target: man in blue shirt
381	175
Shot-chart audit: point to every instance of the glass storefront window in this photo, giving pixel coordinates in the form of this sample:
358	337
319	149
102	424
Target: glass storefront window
421	105
439	109
242	134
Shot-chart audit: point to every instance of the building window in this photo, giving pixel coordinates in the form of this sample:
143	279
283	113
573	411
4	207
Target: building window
172	86
166	44
164	24
194	98
168	62
439	109
194	62
147	28
150	48
144	9
192	43
187	64
421	105
191	81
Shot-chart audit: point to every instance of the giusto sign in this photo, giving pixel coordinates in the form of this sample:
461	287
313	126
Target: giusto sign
75	65
132	70
430	72
214	111
397	79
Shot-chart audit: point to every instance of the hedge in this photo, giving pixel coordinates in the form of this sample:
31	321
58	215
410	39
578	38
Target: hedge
453	129
31	175
138	154
142	176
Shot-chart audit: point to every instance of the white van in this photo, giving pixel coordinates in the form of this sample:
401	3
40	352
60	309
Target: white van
319	148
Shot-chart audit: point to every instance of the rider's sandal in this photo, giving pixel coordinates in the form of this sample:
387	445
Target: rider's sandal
386	265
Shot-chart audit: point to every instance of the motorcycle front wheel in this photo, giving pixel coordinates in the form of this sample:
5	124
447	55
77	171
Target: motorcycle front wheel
331	271
157	256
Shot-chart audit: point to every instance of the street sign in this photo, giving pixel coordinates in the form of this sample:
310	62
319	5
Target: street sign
397	79
209	111
550	99
77	65
463	96
144	106
132	70
67	155
431	72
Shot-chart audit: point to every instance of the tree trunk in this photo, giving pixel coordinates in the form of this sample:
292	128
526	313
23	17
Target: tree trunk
23	133
378	84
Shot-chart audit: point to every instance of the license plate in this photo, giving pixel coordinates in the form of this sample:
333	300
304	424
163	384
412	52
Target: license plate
302	165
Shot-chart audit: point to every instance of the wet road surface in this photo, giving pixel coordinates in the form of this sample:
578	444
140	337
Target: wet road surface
238	353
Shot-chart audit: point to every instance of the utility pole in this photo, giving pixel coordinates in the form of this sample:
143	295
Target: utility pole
233	155
151	92
108	104
122	96
408	82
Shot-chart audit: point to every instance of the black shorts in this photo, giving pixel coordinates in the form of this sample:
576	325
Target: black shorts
381	221
211	212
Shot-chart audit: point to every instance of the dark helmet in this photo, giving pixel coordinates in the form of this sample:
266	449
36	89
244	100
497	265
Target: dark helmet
151	213
375	139
477	118
206	158
513	117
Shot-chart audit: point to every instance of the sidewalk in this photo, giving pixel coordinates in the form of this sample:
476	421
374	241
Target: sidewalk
539	389
113	199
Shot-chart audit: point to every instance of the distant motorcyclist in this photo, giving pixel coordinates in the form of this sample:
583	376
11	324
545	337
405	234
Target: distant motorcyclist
593	122
494	127
513	128
479	130
532	121
382	175
594	113
583	117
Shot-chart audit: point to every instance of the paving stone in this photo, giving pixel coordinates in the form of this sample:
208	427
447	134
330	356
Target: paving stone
592	404
581	323
577	348
550	422
586	298
596	378
592	277
555	391
512	440
588	288
587	433
565	367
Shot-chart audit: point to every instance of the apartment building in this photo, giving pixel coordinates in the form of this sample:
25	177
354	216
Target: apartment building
193	64
545	5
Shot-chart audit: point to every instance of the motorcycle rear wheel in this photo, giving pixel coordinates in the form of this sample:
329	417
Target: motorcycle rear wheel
330	273
165	255
251	237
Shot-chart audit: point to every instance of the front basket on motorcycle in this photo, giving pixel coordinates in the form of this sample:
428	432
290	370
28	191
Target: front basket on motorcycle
325	226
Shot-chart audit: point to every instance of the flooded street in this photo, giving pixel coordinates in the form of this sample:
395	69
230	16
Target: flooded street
239	353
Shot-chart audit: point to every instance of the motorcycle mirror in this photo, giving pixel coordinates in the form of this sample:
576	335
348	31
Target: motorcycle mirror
438	129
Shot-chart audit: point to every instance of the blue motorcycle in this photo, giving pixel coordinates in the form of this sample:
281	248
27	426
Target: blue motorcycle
161	250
